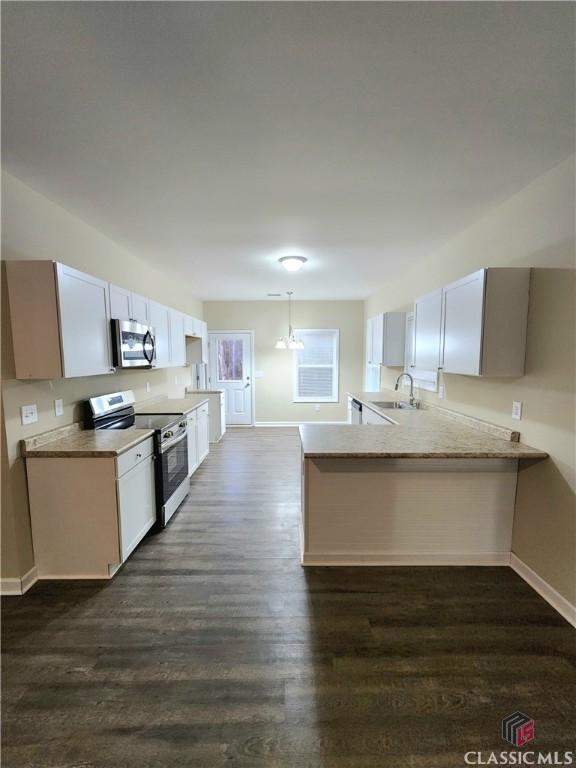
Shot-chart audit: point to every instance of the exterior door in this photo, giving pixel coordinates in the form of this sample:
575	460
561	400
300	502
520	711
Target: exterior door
231	370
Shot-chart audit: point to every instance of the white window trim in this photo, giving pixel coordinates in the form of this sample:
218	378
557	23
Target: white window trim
335	397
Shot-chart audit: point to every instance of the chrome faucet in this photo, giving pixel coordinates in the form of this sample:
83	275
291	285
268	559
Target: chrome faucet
411	387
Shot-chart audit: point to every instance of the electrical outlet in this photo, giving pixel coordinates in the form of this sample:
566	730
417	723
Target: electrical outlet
29	414
147	386
441	392
59	407
517	410
317	407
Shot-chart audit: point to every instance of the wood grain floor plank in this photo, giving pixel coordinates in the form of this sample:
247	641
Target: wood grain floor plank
212	647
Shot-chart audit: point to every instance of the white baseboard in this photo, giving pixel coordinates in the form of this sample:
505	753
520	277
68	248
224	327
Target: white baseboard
382	559
294	423
19	585
563	606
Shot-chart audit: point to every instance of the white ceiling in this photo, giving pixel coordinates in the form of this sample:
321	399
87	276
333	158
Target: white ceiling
215	137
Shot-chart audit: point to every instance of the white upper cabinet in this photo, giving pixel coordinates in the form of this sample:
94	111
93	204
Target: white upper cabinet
427	331
192	326
120	303
393	338
84	323
125	305
369	323
377	328
484	318
463	309
177	340
385	339
204	336
160	321
140	309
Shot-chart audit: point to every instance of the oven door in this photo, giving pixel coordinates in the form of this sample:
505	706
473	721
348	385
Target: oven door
134	344
172	468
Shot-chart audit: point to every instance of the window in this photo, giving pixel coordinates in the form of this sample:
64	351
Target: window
316	366
230	359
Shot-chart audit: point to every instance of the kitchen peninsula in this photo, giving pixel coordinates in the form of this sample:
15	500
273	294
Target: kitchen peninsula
377	494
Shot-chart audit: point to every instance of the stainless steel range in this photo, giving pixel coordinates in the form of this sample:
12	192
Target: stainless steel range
116	411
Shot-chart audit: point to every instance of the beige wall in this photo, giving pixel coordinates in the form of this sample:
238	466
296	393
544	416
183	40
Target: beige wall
35	228
269	321
534	228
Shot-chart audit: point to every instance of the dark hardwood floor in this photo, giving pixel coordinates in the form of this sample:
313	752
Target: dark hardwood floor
213	647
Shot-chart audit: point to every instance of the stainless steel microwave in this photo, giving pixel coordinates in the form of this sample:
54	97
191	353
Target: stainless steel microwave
134	344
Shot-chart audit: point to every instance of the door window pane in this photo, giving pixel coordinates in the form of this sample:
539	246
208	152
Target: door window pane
230	354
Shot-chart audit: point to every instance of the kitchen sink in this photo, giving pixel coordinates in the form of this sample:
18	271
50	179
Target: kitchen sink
394	404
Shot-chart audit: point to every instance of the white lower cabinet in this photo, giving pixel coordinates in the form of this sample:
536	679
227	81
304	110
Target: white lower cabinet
191	427
88	513
136	505
202	432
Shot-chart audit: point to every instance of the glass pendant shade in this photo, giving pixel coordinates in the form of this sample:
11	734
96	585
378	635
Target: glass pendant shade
290	341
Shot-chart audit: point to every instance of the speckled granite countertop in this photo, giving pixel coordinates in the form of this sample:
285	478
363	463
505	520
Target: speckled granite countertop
85	443
173	406
423	433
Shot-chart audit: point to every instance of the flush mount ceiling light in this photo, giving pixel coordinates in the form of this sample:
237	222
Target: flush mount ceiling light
293	263
290	341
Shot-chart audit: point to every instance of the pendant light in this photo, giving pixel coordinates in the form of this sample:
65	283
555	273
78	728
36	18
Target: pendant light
290	341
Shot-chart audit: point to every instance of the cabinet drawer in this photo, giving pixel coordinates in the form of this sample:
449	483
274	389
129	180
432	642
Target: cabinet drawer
191	417
134	456
203	409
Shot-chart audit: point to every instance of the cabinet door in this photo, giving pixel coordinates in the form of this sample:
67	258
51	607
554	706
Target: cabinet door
463	313
369	341
192	327
140	309
202	433
160	321
427	326
371	417
192	443
177	339
377	339
204	336
222	414
409	345
120	303
393	335
136	505
84	323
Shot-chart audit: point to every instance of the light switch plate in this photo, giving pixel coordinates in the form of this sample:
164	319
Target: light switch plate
258	374
517	410
29	414
59	407
147	386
